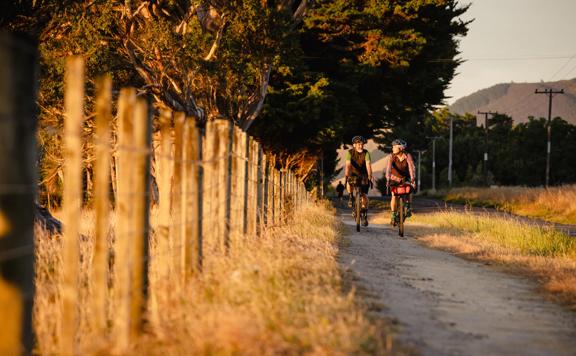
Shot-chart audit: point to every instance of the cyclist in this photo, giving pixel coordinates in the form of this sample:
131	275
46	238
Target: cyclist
400	169
358	168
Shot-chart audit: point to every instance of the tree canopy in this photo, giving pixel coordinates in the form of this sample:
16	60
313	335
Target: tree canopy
303	77
362	67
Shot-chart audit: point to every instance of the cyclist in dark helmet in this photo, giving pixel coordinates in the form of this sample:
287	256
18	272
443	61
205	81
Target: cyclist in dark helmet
400	169
359	167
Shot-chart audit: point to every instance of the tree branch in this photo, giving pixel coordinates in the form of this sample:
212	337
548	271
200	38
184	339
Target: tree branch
217	40
256	106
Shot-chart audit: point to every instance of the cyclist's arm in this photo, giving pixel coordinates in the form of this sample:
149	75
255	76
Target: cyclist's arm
369	165
411	167
388	167
347	165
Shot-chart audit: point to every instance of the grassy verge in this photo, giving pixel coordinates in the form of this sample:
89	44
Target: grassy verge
544	253
281	293
556	204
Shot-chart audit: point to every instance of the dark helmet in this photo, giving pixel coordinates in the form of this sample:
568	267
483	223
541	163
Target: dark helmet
400	142
358	139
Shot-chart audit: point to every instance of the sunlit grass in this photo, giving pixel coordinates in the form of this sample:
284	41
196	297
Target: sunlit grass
556	204
507	233
280	293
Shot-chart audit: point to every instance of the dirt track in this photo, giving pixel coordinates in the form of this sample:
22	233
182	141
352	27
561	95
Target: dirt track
445	305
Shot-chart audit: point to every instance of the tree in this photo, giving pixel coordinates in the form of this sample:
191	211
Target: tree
365	65
208	59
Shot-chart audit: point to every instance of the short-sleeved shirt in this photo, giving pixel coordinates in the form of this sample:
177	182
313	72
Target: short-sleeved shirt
358	161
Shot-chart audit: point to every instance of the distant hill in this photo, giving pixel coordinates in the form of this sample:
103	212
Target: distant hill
519	101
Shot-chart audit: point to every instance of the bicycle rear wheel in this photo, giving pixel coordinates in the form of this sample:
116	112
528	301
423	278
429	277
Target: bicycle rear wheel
401	216
358	207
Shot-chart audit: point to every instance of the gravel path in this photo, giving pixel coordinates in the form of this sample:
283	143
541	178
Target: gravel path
445	305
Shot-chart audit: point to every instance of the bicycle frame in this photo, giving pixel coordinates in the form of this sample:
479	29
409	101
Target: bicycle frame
401	193
357	203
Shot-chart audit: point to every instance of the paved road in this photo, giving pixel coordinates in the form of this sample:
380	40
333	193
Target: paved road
445	305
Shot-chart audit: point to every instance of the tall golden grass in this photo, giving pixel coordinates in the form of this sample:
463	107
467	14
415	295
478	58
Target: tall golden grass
280	293
556	204
542	252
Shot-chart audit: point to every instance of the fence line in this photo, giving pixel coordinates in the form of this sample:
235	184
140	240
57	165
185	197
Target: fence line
215	185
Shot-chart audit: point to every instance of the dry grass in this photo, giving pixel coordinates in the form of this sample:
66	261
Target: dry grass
556	204
544	253
278	294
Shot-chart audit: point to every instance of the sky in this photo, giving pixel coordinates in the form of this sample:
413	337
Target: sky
515	41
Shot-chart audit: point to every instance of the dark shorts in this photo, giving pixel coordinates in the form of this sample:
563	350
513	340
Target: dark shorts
363	187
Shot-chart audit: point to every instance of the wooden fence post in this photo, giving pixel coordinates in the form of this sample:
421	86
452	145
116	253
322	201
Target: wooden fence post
177	231
164	180
186	200
140	222
239	172
253	203
259	190
281	186
124	216
193	249
210	190
72	204
199	199
101	204
272	192
277	187
265	187
227	137
164	172
246	187
18	73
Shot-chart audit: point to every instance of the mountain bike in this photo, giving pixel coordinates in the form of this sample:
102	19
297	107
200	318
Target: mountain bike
402	195
355	184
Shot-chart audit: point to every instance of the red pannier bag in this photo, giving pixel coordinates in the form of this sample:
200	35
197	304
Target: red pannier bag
401	189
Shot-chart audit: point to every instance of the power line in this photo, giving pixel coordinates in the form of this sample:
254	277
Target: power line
500	59
562	67
570	71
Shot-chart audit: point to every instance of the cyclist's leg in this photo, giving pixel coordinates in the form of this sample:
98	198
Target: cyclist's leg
392	202
393	210
350	196
364	190
364	199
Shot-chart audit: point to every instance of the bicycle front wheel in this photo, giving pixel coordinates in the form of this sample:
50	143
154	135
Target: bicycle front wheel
358	206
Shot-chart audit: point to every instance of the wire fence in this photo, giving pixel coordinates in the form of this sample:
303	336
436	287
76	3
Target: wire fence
215	186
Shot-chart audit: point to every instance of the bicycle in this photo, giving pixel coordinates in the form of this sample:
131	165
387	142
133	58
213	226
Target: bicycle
402	195
357	200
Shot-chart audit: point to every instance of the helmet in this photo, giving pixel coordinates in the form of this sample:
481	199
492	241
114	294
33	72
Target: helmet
400	142
358	139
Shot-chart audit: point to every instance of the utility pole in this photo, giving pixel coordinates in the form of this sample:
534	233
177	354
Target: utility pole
420	152
486	113
434	138
550	93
